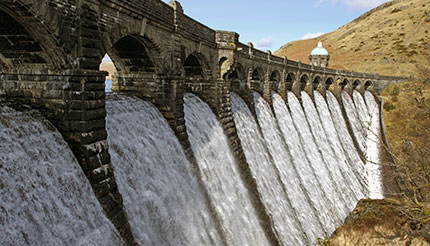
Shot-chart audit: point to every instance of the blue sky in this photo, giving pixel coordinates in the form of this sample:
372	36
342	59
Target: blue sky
269	24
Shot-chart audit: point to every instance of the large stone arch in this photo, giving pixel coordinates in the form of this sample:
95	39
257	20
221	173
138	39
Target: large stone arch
27	42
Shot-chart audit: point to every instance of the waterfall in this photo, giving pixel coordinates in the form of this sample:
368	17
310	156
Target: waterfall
355	122
283	161
45	199
373	145
161	194
221	175
347	182
321	189
366	126
356	166
267	177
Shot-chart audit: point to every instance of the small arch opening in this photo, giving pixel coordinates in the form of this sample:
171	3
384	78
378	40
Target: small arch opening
317	80
255	75
303	81
192	66
329	81
108	66
368	84
343	84
289	81
356	84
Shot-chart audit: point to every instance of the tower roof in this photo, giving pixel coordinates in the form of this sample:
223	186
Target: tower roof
319	50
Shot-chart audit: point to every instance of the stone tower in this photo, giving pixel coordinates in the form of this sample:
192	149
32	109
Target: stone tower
319	56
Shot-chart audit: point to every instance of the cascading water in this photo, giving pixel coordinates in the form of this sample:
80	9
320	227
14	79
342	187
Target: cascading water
341	195
366	126
161	195
221	175
267	178
373	147
45	199
355	122
320	189
349	185
305	214
356	165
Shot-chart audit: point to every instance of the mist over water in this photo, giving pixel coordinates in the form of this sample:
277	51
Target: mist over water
45	199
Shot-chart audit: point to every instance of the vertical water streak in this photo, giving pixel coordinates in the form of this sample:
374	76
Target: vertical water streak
354	120
356	165
308	204
221	175
161	195
324	196
304	214
348	182
330	175
45	199
267	178
373	147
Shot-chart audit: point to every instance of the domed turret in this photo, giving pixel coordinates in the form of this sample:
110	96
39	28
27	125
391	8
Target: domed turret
319	56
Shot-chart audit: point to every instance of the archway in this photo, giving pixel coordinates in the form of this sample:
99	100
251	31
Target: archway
343	83
275	78
356	84
317	80
304	81
328	82
289	81
193	66
130	65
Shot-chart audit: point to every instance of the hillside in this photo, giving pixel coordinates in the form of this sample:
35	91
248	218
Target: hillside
390	39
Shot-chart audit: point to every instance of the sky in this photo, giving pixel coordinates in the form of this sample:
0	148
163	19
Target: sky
269	24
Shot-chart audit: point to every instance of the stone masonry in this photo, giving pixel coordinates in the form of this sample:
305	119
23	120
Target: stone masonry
50	52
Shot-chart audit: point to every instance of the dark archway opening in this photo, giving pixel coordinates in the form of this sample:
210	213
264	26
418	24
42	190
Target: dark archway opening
356	84
192	66
368	84
316	82
255	75
133	55
289	81
18	48
303	81
343	84
328	83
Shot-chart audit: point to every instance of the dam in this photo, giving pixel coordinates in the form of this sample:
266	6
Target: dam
203	141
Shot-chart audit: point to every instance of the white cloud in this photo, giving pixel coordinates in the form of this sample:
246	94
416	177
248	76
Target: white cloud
356	4
312	35
264	44
106	58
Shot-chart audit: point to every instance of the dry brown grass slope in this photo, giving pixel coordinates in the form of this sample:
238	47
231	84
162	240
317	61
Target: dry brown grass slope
390	39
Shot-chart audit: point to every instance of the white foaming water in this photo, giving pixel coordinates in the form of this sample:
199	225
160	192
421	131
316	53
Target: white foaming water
161	195
373	148
356	165
45	198
323	192
267	178
347	182
300	174
355	122
367	123
332	177
221	175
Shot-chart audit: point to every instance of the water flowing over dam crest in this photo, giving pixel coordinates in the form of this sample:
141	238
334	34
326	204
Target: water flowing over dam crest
204	140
